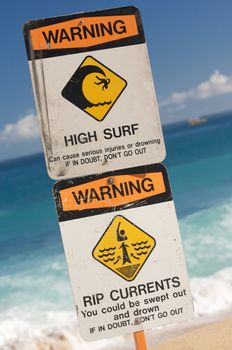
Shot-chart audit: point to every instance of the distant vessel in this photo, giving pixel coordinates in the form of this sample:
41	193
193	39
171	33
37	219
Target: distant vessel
197	121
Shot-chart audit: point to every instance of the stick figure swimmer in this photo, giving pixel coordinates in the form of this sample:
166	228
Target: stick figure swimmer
121	235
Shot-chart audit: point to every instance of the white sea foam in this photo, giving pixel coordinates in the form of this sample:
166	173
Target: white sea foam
208	245
21	335
212	294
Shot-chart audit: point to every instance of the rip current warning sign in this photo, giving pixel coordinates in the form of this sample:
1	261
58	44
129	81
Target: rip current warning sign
94	92
123	251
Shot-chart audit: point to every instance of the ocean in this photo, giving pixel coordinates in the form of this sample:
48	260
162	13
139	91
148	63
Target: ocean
35	292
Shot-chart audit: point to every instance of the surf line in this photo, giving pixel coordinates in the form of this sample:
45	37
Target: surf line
101	104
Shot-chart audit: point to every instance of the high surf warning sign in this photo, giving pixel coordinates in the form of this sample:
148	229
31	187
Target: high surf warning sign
94	92
127	273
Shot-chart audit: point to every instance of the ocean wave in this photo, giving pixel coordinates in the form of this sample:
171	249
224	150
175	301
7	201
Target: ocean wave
207	240
212	294
207	243
21	335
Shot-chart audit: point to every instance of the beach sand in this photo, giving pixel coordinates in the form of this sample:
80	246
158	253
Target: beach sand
197	334
215	336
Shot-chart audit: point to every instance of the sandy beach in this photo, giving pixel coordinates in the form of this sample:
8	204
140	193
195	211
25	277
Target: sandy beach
215	336
196	335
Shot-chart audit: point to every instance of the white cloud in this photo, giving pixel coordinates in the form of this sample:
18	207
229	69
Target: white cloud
217	84
24	129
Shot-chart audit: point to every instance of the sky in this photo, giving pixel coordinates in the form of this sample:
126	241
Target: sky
189	44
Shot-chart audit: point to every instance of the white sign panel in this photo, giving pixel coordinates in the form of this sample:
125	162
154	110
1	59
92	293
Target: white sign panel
123	250
94	92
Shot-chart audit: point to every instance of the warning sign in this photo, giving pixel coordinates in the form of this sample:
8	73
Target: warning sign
94	92
123	250
94	88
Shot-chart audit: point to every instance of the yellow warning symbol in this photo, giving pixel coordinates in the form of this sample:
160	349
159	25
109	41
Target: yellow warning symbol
124	248
94	88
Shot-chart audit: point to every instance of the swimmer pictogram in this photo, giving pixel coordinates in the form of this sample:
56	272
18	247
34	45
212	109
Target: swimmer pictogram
94	88
124	248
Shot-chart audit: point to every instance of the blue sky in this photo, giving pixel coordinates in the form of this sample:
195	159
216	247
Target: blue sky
190	49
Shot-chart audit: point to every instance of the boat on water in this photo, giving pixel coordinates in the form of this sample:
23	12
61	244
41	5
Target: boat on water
197	121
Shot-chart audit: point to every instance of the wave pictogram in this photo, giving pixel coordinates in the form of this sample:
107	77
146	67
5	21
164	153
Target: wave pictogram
142	253
100	104
106	260
139	243
105	255
106	249
141	248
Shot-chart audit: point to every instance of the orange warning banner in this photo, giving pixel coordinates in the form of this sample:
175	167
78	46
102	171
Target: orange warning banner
83	32
112	192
